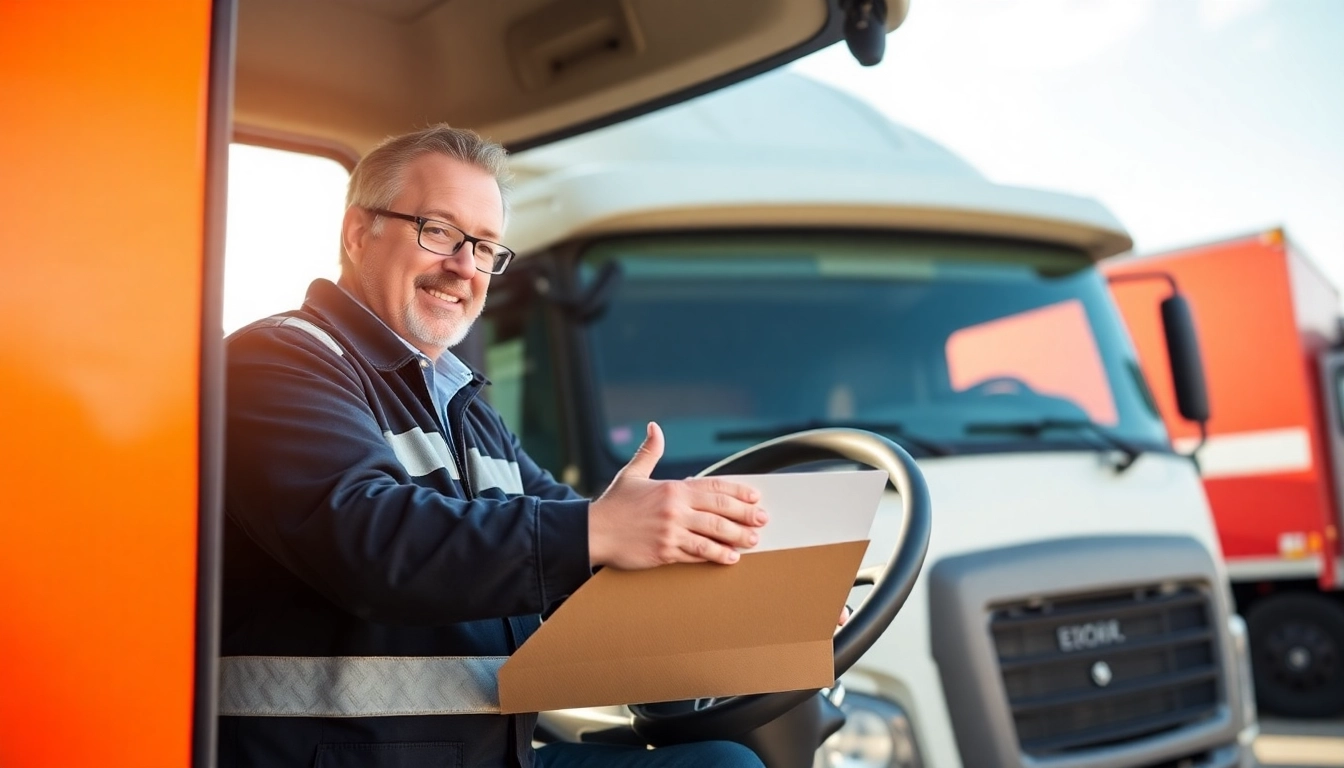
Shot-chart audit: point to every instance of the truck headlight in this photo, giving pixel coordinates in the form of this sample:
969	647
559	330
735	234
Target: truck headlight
877	734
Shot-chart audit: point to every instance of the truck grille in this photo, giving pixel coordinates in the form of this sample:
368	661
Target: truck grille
1085	671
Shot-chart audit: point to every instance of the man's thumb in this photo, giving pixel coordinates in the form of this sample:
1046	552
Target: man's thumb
650	451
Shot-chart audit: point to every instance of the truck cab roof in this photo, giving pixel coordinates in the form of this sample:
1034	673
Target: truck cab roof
782	151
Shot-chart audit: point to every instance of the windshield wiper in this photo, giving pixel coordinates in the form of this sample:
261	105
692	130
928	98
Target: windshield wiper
1035	427
890	429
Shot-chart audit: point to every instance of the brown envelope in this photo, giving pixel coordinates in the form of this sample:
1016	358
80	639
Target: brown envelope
688	631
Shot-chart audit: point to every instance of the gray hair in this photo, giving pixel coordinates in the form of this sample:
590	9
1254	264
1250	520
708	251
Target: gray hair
380	175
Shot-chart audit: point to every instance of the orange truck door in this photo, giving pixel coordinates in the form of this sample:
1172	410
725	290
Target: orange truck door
110	134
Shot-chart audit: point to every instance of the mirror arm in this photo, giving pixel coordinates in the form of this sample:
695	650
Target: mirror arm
1134	277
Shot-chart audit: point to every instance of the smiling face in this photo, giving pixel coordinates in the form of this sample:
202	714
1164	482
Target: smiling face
427	299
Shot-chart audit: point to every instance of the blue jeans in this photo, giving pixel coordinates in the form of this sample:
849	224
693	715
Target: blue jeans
723	754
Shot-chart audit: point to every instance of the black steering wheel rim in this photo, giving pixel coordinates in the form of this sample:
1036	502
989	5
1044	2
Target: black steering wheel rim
734	716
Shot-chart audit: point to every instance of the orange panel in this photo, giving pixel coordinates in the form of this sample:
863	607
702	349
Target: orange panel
103	149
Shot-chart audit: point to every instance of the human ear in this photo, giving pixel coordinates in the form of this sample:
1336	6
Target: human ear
355	231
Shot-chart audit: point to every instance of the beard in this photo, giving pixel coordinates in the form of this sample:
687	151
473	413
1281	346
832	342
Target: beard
433	331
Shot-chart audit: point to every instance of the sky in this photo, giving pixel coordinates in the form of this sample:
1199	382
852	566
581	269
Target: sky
1192	120
278	203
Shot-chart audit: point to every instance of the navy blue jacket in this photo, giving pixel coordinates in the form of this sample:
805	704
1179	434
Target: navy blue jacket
351	531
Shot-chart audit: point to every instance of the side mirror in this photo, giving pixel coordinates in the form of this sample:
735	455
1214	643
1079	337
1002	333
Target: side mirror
866	30
1187	365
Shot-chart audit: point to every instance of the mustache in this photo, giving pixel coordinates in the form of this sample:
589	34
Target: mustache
458	288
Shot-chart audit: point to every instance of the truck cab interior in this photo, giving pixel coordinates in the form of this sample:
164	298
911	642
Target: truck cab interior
334	78
341	75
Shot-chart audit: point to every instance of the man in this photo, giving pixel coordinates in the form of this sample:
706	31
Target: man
387	541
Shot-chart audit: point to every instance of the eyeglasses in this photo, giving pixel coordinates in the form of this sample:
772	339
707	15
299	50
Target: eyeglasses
444	239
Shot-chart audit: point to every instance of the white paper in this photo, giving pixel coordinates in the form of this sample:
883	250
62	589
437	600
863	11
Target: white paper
808	509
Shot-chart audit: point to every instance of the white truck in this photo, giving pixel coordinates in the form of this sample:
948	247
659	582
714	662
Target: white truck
779	256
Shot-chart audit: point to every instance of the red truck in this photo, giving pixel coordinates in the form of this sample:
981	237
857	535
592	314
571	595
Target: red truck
1272	453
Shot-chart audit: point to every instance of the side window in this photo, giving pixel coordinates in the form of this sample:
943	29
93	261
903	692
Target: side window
518	362
1049	351
283	230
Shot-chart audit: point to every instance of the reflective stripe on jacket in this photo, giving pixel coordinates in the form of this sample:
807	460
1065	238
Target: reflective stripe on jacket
369	563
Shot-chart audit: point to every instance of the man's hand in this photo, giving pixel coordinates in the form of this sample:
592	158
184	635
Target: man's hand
641	523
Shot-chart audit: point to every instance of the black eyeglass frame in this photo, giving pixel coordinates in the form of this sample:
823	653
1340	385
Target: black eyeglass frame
506	253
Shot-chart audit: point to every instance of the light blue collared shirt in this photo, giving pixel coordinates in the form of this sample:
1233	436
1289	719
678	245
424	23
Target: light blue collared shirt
445	377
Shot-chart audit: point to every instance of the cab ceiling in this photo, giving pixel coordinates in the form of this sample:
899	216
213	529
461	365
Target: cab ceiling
345	73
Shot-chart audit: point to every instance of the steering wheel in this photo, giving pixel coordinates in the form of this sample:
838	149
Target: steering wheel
1000	385
681	721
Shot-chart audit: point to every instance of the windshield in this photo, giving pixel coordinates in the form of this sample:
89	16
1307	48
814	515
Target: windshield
729	340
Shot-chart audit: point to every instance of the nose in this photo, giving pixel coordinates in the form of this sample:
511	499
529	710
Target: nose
462	262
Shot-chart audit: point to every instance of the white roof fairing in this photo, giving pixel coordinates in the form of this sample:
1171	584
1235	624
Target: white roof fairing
781	150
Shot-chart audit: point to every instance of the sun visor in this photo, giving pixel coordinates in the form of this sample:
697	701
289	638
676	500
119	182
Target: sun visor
350	72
